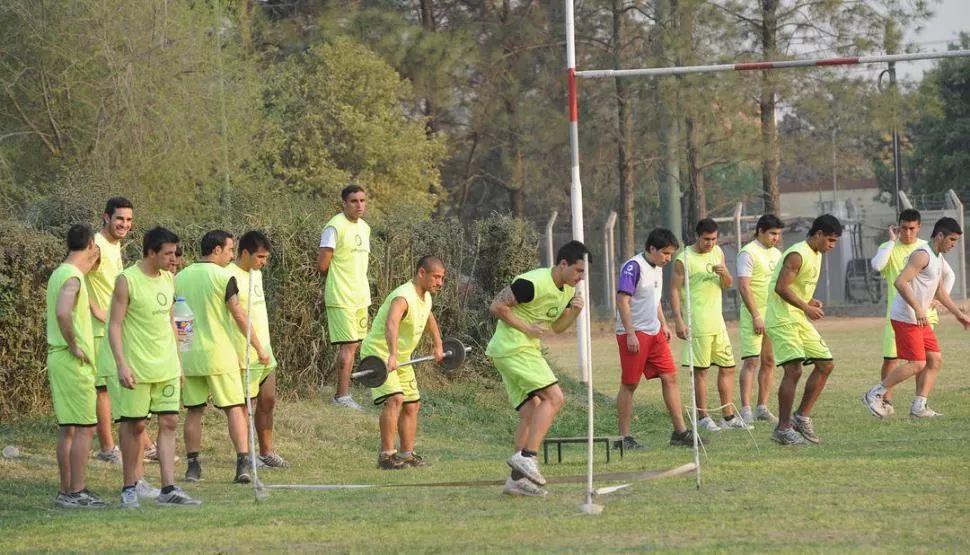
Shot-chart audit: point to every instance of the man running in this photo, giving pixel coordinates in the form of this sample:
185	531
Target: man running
709	338
397	331
535	299
343	257
70	369
756	264
918	285
141	334
795	340
643	337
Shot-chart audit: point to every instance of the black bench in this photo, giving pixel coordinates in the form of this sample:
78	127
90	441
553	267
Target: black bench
558	441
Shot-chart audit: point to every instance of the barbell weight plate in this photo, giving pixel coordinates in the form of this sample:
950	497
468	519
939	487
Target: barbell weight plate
457	356
376	370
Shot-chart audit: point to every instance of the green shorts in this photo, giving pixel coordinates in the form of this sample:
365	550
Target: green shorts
798	342
346	325
256	378
72	389
100	381
401	381
751	342
888	341
226	391
524	374
710	350
146	398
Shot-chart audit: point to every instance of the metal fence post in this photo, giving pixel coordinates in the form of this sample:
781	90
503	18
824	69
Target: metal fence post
609	262
550	254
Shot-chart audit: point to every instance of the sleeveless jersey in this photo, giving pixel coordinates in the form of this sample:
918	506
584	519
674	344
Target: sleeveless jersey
779	311
213	352
410	329
80	314
705	290
545	307
147	335
347	285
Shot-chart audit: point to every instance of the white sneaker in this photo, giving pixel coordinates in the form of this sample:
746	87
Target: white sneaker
146	490
523	487
707	423
129	497
746	415
347	401
763	413
735	423
887	407
527	466
874	402
925	412
112	456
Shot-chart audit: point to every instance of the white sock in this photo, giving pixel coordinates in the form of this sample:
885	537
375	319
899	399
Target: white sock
919	403
404	454
746	409
763	408
879	389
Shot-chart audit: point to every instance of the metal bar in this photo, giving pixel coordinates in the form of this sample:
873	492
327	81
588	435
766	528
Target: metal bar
962	253
418	360
550	255
760	66
609	263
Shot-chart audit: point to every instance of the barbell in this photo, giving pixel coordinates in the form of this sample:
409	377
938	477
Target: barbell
372	370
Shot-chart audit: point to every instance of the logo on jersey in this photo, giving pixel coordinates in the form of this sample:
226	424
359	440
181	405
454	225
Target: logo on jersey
358	240
161	299
710	268
552	312
258	289
168	390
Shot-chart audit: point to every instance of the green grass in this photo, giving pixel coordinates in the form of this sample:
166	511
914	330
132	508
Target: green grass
871	485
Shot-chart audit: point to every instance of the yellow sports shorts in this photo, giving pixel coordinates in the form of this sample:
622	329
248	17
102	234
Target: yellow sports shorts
72	389
226	391
346	325
524	374
798	341
710	350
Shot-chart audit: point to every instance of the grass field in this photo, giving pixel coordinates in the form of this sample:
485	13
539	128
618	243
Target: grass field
887	486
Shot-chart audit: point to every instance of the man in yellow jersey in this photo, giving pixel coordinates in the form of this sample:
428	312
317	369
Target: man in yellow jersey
100	282
756	264
70	368
795	340
535	299
711	346
397	331
141	334
890	260
254	252
212	365
344	251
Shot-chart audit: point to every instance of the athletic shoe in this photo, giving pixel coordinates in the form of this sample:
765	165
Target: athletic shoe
925	412
708	424
686	438
242	471
129	497
112	456
788	436
763	413
887	406
527	466
271	461
65	501
735	423
348	402
389	461
628	443
87	500
523	487
804	426
194	472
177	498
874	402
746	415
151	455
414	460
146	490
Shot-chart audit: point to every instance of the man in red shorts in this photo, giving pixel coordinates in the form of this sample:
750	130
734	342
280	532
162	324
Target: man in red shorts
919	284
642	336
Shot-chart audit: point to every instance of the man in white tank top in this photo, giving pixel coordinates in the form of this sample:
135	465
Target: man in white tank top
643	337
918	285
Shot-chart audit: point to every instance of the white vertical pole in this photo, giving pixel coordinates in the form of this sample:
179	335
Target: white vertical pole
550	253
609	263
576	197
690	364
962	252
738	209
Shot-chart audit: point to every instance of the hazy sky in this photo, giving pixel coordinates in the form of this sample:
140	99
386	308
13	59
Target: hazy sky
952	16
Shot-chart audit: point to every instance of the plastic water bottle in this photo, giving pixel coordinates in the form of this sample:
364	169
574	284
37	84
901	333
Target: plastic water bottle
184	318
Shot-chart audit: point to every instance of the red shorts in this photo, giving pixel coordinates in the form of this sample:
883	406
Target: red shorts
913	342
653	359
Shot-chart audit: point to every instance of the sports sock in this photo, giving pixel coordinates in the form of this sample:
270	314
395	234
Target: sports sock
919	403
168	489
879	389
128	487
527	453
729	418
763	408
193	456
241	457
405	454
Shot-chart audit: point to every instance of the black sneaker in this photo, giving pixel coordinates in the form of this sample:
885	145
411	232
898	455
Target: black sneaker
242	470
627	444
686	438
390	462
194	472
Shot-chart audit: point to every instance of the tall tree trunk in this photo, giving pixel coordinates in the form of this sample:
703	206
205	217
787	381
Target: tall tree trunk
669	123
625	140
698	192
430	108
769	125
516	159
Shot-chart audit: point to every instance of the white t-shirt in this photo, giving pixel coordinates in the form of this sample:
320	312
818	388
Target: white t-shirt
745	264
924	286
643	282
329	238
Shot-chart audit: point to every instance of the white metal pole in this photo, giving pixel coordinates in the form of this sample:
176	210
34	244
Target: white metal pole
608	263
690	364
761	66
962	252
550	253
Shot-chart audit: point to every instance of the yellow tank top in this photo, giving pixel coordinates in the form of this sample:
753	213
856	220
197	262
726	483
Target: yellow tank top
347	285
213	352
409	331
545	307
705	291
779	311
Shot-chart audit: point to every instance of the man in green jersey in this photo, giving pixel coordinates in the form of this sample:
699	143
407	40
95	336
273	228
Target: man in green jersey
397	331
211	364
100	282
756	264
70	368
141	334
795	340
535	299
343	257
709	338
254	252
